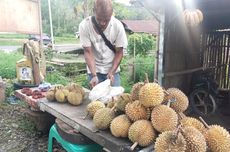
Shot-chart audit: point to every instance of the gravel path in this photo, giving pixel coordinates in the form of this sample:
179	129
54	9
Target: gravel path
18	133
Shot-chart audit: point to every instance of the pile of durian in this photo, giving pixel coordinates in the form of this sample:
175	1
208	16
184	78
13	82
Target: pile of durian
153	116
72	93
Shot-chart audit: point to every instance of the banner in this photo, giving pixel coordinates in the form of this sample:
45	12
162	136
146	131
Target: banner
20	16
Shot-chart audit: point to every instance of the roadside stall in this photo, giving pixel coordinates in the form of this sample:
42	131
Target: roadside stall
189	41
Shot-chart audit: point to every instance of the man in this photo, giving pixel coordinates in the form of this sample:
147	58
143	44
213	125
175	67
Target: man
102	62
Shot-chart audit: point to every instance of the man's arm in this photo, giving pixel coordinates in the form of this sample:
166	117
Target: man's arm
116	62
89	59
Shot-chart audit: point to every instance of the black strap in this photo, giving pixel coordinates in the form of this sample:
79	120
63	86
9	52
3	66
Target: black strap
107	42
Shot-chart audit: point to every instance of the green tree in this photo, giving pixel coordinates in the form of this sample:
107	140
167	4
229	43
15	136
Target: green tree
142	43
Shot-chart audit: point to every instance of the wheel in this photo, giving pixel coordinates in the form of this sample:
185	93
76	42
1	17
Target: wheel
202	102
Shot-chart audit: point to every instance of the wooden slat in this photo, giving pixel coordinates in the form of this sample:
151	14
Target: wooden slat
216	52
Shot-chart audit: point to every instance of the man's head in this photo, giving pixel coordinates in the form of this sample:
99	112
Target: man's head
103	11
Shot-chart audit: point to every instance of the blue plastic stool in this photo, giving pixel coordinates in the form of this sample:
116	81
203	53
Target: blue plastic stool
68	146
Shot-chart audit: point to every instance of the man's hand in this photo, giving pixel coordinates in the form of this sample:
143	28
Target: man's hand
94	81
111	77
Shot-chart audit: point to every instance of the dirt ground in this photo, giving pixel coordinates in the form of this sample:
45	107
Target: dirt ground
18	132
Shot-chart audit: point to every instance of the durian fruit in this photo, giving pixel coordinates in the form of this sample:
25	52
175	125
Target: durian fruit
119	126
135	90
75	98
181	103
218	139
50	95
61	94
193	122
164	118
195	141
170	141
192	17
151	94
103	117
73	87
122	101
93	107
136	111
142	133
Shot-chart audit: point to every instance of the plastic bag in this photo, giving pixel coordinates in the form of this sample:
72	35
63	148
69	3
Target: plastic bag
104	91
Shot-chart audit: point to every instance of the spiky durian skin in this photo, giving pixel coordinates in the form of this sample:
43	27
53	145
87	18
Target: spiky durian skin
103	117
93	107
195	141
181	103
164	118
122	101
119	126
142	132
151	94
193	122
135	90
75	98
169	141
218	139
136	111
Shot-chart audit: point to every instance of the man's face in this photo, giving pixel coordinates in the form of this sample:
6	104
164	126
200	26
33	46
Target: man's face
103	19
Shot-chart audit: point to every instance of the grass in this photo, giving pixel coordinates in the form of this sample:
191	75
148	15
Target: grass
8	64
18	39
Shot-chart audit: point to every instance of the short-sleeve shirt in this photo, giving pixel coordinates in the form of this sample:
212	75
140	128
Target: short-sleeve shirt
114	32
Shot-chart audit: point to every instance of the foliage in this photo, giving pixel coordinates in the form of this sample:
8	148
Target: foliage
56	77
67	14
144	64
128	12
142	43
8	64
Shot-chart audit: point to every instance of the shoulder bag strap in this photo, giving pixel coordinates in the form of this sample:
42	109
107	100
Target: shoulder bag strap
107	42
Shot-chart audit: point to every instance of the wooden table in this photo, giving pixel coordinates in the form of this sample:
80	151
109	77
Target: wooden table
74	116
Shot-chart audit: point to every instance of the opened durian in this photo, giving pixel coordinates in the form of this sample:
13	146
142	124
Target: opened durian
135	90
151	94
50	95
218	139
61	95
93	107
103	117
164	118
142	133
181	100
122	101
136	111
73	87
119	126
170	141
195	141
75	98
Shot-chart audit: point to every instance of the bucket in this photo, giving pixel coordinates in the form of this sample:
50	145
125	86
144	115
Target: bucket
2	90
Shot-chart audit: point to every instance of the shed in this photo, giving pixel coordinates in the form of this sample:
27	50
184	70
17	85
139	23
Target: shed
184	50
142	26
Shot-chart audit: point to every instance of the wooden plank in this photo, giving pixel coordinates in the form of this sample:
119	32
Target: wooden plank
73	116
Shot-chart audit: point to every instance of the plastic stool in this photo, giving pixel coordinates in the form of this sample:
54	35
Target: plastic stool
68	146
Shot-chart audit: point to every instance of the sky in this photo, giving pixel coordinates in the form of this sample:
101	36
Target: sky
126	2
